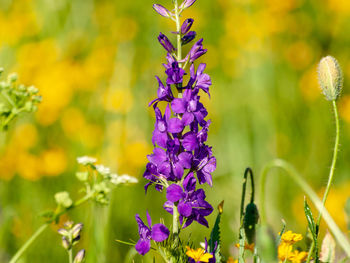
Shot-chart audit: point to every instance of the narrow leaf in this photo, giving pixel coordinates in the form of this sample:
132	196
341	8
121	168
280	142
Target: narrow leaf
310	220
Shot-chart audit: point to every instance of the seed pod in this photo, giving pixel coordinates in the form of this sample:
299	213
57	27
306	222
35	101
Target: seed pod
76	230
330	77
250	219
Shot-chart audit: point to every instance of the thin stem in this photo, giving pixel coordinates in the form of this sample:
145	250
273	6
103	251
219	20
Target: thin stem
178	43
334	160
70	255
291	171
175	221
330	177
25	246
28	243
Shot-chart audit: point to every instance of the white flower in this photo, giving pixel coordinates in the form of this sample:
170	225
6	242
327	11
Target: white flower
103	170
86	160
123	179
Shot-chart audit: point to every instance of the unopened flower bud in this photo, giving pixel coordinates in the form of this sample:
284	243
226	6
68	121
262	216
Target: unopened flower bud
69	224
161	10
12	77
330	77
65	242
165	42
186	26
62	232
187	3
188	37
79	258
76	230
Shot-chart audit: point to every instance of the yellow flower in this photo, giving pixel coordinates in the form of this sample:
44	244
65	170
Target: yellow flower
298	257
198	255
284	251
290	238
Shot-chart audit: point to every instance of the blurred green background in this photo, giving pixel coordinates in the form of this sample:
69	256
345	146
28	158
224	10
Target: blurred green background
94	63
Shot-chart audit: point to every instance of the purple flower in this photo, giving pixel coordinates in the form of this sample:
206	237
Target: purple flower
164	93
187	4
186	26
199	79
164	125
157	232
188	37
205	164
175	73
191	202
190	107
165	42
196	51
161	10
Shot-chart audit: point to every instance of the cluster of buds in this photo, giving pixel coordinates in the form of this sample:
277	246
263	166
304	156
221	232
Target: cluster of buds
99	180
70	237
181	159
16	98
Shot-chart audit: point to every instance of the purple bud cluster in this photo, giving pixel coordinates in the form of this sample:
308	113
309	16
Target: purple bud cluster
181	159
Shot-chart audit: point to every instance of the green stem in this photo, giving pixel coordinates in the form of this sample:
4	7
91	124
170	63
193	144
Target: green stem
25	246
330	177
70	255
178	29
28	243
291	171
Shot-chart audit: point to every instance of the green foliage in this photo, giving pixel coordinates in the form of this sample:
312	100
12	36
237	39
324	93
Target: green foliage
15	99
215	240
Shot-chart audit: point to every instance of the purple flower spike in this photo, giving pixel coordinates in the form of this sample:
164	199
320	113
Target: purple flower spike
188	37
157	232
161	10
187	4
165	42
186	26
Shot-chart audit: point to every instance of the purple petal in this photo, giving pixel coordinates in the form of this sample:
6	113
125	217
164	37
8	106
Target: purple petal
161	10
178	105
143	246
187	118
185	159
189	183
165	42
174	193
178	170
189	141
149	220
160	232
158	156
175	125
168	206
159	138
185	209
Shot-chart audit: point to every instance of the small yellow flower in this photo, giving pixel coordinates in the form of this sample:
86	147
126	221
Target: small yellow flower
290	237
298	257
247	246
284	251
198	255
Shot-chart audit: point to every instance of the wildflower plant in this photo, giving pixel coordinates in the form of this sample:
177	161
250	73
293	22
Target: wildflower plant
15	99
181	160
98	181
70	237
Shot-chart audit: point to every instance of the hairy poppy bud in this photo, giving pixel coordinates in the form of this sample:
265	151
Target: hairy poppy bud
330	77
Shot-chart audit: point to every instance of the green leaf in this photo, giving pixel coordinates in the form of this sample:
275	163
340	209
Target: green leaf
278	240
215	235
310	221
